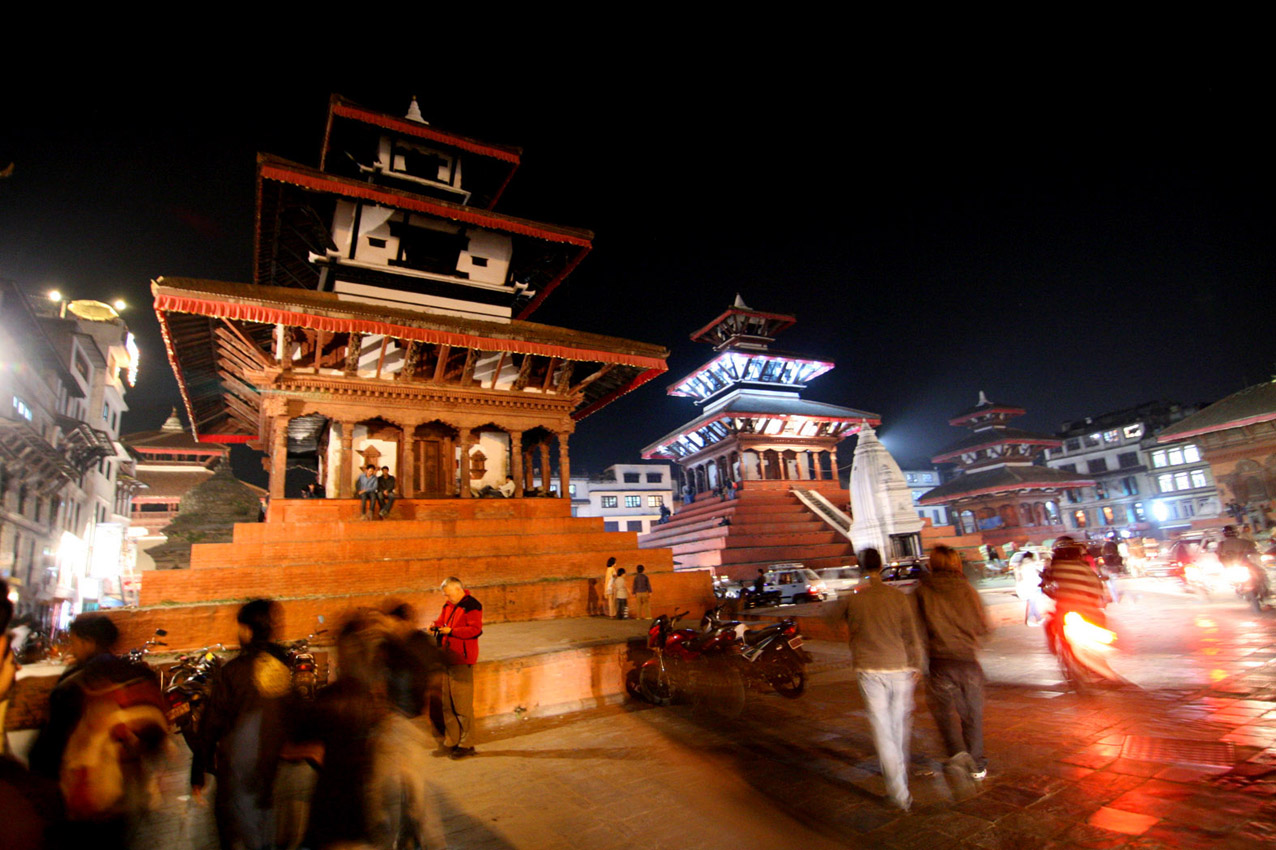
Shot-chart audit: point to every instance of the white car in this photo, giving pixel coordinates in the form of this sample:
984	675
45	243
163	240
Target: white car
838	579
795	583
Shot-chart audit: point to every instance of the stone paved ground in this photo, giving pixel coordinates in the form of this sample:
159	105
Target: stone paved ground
802	773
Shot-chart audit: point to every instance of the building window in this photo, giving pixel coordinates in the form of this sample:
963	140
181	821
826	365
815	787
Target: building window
571	490
633	525
1138	512
1109	516
1097	464
655	477
1092	440
1186	508
655	501
633	501
1072	445
106	413
1068	467
1130	486
1113	436
609	501
1133	432
1191	454
1125	460
611	526
1165	483
1078	519
1100	490
20	407
1199	479
1158	458
1181	481
632	477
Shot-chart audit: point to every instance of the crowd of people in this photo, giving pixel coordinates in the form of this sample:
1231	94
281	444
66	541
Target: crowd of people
343	767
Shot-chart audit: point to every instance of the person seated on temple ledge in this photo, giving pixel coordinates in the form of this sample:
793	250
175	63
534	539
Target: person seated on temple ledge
505	491
314	490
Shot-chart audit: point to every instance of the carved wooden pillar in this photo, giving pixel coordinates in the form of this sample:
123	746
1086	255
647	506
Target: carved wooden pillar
406	443
528	465
545	468
343	460
467	442
833	465
278	457
516	462
564	468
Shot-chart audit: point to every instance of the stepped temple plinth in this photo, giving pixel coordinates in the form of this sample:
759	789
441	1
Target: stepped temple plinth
759	464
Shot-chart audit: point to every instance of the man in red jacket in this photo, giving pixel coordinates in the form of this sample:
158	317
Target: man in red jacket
458	629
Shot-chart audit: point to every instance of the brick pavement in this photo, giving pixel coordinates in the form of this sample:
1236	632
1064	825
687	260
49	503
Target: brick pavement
803	774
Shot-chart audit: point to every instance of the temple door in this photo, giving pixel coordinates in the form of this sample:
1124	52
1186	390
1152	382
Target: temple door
431	478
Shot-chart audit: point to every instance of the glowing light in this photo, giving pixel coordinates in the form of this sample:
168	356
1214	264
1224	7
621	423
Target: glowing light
55	295
1218	675
1077	628
119	304
1160	511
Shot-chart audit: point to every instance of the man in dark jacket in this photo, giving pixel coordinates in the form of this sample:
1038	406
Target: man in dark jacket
385	491
458	628
955	622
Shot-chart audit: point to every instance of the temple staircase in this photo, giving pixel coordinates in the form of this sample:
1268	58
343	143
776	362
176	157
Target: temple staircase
768	524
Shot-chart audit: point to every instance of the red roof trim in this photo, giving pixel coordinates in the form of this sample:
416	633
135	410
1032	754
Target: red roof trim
227	438
1027	485
169	302
999	408
1175	436
786	320
317	181
422	131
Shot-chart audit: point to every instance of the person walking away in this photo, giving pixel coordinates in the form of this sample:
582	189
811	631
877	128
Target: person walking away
386	495
366	488
458	628
1233	549
242	729
954	623
609	589
621	593
886	655
642	594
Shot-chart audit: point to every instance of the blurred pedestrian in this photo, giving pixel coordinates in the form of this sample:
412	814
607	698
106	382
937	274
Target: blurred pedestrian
621	593
609	589
243	728
954	622
1028	586
458	628
642	594
886	654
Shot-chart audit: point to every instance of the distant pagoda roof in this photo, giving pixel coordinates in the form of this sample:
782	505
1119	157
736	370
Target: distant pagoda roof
984	408
989	437
733	367
740	323
1250	406
171	438
213	328
1003	479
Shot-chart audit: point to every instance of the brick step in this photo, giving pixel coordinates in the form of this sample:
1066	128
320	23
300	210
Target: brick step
212	555
384	576
336	510
191	626
689	535
670	534
280	532
735	536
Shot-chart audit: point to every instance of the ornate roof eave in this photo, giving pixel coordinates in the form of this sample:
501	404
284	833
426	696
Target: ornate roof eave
657	449
820	367
968	486
1253	405
948	454
624	364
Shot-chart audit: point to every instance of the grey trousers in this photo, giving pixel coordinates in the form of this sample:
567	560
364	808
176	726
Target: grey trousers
458	706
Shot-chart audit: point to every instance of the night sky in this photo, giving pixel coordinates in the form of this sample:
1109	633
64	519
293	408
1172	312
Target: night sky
1066	247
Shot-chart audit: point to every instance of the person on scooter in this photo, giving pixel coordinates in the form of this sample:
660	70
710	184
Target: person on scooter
1073	583
1239	550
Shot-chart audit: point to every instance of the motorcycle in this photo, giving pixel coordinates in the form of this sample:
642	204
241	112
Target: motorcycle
138	654
1204	575
186	693
303	667
770	657
1251	583
1082	648
688	664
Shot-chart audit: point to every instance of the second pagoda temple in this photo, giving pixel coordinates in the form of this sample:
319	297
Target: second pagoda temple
754	442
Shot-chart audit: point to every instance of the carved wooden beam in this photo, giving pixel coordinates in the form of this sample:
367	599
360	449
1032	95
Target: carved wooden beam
467	374
320	339
233	383
589	380
411	361
354	343
496	373
231	344
565	379
440	368
524	372
250	345
549	374
385	341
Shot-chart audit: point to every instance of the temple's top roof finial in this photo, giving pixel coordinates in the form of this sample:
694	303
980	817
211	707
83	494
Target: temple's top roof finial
983	400
172	423
414	112
739	302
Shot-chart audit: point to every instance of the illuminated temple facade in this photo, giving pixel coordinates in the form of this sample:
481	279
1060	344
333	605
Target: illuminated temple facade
755	441
387	322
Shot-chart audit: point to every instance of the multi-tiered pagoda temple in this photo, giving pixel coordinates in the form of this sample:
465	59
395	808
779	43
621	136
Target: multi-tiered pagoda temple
387	323
999	492
755	440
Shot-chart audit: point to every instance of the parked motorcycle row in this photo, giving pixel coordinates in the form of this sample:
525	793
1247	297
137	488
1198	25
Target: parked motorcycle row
714	666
